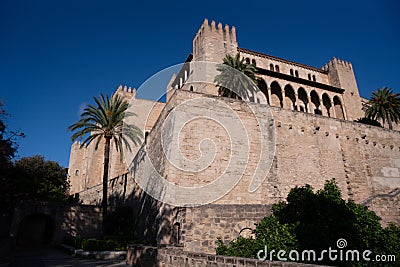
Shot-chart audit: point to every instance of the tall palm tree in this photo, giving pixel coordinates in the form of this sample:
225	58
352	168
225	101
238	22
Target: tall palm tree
385	105
235	74
105	122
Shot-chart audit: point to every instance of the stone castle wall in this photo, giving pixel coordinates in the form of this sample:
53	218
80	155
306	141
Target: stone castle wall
139	255
69	220
310	149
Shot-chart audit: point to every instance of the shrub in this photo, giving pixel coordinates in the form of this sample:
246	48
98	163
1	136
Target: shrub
316	221
93	244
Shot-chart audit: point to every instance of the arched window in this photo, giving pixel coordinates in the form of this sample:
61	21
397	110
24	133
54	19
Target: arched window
247	60
290	99
327	105
309	76
303	99
276	68
315	103
291	72
76	172
296	73
271	67
191	88
253	61
313	78
338	107
263	88
276	95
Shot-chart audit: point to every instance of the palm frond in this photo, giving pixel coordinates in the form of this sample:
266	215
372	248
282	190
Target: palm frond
105	119
237	78
384	105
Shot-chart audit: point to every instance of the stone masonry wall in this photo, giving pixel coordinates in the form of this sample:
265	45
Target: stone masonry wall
364	160
201	226
171	257
75	220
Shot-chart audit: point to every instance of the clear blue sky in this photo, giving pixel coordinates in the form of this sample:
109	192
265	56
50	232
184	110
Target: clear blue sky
56	55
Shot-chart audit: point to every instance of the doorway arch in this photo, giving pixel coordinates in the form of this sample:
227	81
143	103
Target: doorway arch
35	230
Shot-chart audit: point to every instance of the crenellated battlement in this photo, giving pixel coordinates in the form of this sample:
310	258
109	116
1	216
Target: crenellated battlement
213	41
212	27
127	89
338	62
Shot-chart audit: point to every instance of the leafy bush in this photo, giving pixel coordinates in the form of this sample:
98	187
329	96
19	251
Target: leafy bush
269	232
316	221
96	244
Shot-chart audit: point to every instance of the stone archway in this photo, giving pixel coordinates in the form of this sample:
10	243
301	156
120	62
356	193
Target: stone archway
35	230
276	95
315	103
290	98
303	100
263	88
327	105
338	107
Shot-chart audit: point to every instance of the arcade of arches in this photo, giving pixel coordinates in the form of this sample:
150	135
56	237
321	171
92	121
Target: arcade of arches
300	99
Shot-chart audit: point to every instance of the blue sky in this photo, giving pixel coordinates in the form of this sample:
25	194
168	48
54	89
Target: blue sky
56	55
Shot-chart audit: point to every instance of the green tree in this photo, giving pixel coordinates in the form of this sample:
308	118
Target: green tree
311	220
40	179
384	105
268	232
237	78
8	149
105	122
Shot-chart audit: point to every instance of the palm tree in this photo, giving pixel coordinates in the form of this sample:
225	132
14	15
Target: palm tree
231	81
385	105
105	122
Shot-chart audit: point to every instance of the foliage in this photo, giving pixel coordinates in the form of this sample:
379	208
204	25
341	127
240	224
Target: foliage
315	221
92	244
103	245
384	105
237	78
105	121
40	179
369	122
8	149
7	146
269	232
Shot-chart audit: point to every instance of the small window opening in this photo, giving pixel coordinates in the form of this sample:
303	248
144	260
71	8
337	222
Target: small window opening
271	67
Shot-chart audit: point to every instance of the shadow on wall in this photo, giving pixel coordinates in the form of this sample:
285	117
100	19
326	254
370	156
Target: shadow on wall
82	220
151	220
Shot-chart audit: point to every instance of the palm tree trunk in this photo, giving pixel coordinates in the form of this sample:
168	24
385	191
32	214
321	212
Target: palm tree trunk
390	122
104	203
